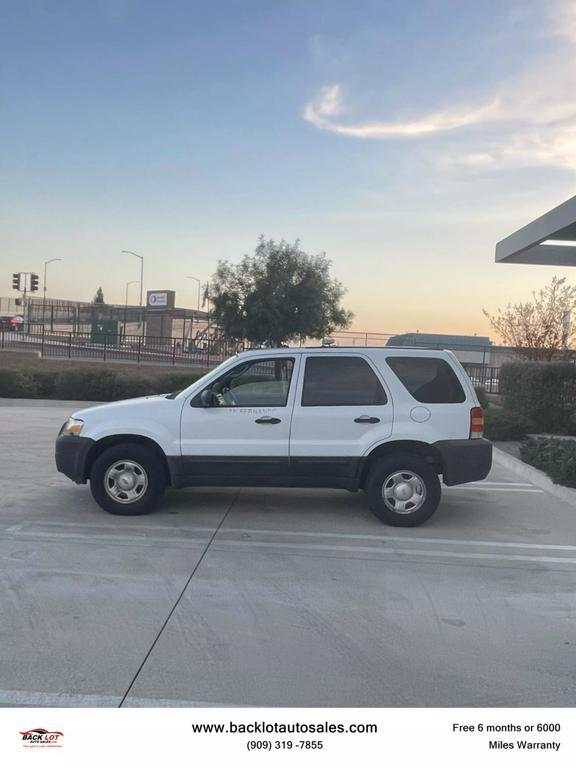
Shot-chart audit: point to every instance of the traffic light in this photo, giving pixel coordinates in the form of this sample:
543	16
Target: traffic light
16	281
33	282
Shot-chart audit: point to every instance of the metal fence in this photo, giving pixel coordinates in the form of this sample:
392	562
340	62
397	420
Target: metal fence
485	376
141	349
360	338
80	316
120	348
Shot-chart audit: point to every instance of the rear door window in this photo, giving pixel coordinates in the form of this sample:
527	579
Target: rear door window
341	381
428	379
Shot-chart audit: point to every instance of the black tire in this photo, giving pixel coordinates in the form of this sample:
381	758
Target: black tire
142	465
425	503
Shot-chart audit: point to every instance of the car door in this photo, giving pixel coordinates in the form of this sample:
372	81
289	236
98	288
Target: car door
241	438
342	409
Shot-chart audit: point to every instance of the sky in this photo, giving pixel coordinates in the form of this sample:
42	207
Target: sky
402	139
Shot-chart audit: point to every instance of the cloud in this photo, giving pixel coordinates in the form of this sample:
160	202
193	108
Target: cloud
329	105
530	119
539	145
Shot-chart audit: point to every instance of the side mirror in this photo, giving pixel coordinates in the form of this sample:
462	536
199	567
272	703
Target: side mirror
207	398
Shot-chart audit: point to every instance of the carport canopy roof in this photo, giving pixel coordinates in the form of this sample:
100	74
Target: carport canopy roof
549	239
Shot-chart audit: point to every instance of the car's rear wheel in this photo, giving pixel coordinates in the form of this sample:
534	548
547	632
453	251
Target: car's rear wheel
403	490
128	479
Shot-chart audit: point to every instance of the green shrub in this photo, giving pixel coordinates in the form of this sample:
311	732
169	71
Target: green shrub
103	385
542	393
502	425
133	385
17	383
90	383
45	383
172	382
555	456
482	397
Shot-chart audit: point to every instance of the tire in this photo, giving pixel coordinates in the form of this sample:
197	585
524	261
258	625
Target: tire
390	481
119	466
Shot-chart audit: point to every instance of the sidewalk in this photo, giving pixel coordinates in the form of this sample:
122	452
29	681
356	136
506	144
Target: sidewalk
507	454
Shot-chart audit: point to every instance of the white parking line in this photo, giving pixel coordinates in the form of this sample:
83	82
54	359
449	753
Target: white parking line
496	482
50	699
226	545
130	541
136	539
137	702
407	539
190	541
115	526
54	699
469	486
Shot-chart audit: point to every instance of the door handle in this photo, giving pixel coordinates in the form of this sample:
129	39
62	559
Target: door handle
268	420
367	420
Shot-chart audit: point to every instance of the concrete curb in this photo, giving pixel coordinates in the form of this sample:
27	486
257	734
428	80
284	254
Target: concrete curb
22	402
535	476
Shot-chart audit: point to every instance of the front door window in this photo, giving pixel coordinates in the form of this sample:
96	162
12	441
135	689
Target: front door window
255	384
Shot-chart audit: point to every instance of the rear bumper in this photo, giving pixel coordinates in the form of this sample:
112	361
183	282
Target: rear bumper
71	456
464	461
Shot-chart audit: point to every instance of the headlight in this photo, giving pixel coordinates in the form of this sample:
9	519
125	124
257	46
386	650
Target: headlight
72	427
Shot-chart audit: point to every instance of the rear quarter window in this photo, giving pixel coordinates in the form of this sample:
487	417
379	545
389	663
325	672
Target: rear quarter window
428	379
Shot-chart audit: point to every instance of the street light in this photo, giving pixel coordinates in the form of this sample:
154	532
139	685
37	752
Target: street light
189	277
131	282
141	278
49	261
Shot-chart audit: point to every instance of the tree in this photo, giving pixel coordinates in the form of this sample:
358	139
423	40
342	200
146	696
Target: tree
538	328
99	298
279	294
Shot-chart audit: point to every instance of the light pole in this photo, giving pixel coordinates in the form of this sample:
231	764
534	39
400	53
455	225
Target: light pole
131	282
141	282
189	277
49	261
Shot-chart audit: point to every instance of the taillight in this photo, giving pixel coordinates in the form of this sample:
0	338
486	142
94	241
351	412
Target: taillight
476	422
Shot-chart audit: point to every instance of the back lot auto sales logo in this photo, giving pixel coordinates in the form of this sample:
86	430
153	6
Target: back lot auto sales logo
40	737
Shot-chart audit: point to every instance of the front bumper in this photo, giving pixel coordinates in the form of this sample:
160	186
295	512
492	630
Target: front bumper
71	456
464	461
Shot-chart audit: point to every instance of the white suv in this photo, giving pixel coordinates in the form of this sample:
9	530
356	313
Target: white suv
386	420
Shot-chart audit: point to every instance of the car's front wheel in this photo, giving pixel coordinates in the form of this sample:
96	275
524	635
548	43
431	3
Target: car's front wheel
127	479
403	490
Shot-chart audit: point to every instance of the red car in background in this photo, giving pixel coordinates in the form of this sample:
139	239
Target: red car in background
11	323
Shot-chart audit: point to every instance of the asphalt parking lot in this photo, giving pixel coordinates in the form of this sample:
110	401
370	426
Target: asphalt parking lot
278	597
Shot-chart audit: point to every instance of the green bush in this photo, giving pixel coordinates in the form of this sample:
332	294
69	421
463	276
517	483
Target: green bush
45	384
16	383
172	382
555	456
133	385
482	397
502	425
90	384
542	393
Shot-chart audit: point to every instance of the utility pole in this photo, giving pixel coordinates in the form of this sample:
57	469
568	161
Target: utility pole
132	253
131	282
49	261
20	283
189	277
